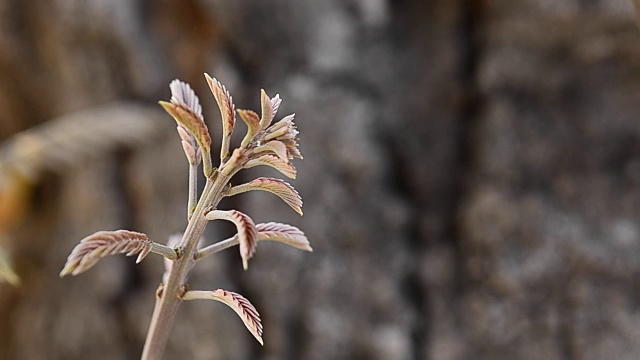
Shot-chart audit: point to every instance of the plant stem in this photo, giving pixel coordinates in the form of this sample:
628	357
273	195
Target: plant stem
169	297
193	189
165	251
217	247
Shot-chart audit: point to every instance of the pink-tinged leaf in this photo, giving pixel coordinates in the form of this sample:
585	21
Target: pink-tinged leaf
275	162
184	134
275	147
283	128
253	125
284	122
275	104
190	146
143	254
189	151
247	233
282	189
197	128
186	110
245	310
278	187
292	148
269	109
227	112
104	243
225	103
183	95
276	134
283	233
238	303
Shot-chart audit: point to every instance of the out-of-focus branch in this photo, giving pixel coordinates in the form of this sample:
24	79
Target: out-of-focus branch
61	144
636	5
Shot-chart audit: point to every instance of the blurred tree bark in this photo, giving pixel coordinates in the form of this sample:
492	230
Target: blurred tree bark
471	180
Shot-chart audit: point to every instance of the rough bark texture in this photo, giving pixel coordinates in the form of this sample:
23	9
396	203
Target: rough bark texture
471	177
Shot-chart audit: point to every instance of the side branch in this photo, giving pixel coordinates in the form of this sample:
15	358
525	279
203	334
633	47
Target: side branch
217	247
283	233
167	252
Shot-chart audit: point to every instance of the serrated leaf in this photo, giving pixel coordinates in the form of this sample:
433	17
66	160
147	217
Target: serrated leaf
292	148
238	303
269	109
104	243
285	131
247	233
284	128
283	233
275	147
227	112
253	125
275	104
287	169
187	112
278	187
183	95
198	129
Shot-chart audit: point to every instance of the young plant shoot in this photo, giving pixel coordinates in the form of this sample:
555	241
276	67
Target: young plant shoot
268	144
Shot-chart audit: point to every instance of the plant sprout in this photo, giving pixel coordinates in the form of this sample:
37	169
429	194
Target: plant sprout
273	145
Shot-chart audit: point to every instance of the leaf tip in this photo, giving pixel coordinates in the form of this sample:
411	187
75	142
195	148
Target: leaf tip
169	108
165	104
66	271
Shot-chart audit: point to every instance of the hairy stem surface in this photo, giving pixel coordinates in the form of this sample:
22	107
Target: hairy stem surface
217	247
193	190
170	295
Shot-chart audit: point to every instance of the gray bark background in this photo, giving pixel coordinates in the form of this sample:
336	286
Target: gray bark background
471	177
